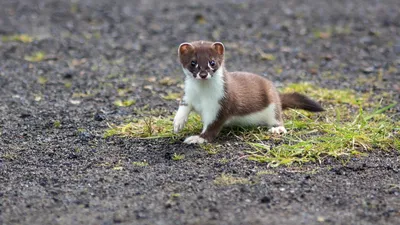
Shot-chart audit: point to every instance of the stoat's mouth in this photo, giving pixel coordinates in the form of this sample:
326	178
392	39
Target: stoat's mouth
202	77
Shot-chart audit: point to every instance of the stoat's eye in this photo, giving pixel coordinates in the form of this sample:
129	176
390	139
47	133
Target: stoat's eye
212	63
193	63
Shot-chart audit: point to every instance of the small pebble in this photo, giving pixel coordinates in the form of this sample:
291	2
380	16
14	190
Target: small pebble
99	116
68	75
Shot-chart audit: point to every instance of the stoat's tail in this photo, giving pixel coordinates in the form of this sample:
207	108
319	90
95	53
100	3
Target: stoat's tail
298	101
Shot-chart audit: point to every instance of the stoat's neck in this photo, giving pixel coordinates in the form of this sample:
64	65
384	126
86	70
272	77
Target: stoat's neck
212	88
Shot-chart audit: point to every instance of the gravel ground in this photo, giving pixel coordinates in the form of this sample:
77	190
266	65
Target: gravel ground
56	167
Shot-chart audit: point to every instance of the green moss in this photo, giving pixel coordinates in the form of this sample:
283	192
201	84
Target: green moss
9	156
124	103
210	148
172	96
35	57
56	124
81	130
154	127
118	61
87	94
350	126
175	195
340	131
323	34
140	164
67	84
123	91
266	56
37	97
226	180
265	172
118	168
24	38
168	81
42	80
177	157
224	161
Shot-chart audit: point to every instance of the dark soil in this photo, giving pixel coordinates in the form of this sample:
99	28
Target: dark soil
56	167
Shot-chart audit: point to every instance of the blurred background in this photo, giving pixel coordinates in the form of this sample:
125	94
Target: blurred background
339	41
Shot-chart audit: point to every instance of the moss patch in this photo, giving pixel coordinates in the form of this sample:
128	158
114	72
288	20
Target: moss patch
210	148
177	157
344	129
172	96
226	180
140	164
24	38
352	125
124	103
42	80
154	127
36	57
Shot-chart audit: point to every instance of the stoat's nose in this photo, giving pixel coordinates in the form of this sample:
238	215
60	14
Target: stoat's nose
203	74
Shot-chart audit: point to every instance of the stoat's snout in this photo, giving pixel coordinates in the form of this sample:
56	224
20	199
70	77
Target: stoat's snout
203	75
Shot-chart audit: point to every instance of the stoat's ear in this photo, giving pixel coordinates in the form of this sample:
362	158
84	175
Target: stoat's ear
185	48
219	47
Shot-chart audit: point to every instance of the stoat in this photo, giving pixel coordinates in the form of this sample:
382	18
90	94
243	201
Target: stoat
229	98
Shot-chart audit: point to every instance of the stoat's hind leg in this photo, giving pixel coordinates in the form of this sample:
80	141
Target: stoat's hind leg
274	119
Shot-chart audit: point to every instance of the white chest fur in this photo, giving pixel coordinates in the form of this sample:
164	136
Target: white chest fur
205	95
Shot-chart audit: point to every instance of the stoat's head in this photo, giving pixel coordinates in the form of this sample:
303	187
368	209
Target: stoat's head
201	59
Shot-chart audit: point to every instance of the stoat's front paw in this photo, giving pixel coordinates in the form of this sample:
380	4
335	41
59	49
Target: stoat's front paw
179	123
195	140
278	130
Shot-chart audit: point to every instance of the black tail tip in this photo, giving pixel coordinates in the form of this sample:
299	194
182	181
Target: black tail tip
316	107
311	105
299	101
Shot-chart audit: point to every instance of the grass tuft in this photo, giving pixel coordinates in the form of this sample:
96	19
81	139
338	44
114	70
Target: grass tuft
154	127
211	149
352	125
340	131
56	124
177	157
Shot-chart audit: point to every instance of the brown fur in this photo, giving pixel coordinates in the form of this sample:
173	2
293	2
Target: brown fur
245	93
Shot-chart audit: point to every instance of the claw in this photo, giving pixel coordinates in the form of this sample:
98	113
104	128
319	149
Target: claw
278	130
